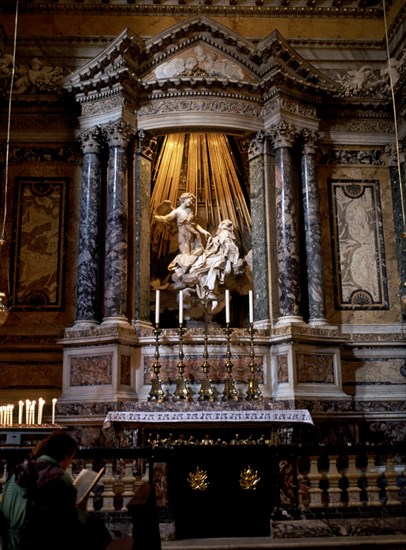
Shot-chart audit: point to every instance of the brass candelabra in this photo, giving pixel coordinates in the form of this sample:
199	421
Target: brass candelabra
253	391
206	392
230	392
157	392
182	392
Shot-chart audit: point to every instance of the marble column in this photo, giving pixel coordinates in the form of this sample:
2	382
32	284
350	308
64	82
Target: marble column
311	215
260	255
116	249
142	193
397	170
287	224
88	266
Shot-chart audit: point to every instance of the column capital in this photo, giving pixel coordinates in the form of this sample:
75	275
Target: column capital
90	140
310	140
118	133
282	134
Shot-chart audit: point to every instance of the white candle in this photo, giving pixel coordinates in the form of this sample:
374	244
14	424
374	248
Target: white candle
20	412
32	412
1	415
53	410
11	409
227	299
41	403
157	307
181	307
27	411
251	306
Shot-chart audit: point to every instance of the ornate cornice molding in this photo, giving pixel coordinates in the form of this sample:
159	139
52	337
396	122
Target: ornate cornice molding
224	8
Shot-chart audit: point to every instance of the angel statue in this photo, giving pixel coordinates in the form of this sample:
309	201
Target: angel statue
190	233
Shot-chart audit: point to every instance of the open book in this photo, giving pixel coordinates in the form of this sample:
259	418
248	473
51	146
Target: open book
84	482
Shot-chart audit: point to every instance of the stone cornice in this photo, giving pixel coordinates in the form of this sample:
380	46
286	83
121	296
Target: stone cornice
293	9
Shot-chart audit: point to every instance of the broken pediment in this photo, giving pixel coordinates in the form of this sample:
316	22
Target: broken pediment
198	51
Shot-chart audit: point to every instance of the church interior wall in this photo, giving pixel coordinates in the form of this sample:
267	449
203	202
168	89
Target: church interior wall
349	370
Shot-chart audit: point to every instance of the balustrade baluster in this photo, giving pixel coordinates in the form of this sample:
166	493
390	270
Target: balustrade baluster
314	489
108	494
353	475
128	480
333	478
391	475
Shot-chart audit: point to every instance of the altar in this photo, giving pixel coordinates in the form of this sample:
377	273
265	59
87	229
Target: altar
216	467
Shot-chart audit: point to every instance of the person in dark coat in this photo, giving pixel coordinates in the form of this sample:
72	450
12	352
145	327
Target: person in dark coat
39	503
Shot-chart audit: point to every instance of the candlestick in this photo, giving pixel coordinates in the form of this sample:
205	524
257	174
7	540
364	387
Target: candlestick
251	306
157	297
11	408
157	392
41	403
181	307
20	412
230	392
253	391
54	400
227	300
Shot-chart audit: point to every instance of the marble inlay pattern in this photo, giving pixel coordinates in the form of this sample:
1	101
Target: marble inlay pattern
282	368
315	369
125	370
358	245
91	371
38	269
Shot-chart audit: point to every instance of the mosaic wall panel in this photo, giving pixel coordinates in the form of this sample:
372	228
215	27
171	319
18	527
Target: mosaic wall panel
358	245
39	243
91	371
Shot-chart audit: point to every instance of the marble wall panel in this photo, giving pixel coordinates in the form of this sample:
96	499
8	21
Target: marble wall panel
359	255
314	368
40	224
362	172
91	371
46	374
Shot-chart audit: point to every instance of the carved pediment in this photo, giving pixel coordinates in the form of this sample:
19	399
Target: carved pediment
196	54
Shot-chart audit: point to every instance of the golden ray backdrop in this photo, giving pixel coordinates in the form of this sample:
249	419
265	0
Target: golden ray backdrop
202	164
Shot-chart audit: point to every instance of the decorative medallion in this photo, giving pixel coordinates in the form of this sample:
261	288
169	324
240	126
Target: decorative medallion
249	479
198	480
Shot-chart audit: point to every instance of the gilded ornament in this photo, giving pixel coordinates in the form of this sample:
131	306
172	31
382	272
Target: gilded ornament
198	480
249	479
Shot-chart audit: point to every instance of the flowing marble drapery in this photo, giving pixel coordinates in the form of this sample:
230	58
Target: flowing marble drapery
88	257
311	214
116	249
283	137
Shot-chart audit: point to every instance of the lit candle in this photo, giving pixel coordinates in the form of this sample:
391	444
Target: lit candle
251	306
41	403
53	410
157	307
27	411
227	299
181	307
20	412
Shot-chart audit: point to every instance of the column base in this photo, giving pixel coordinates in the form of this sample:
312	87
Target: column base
289	319
115	321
